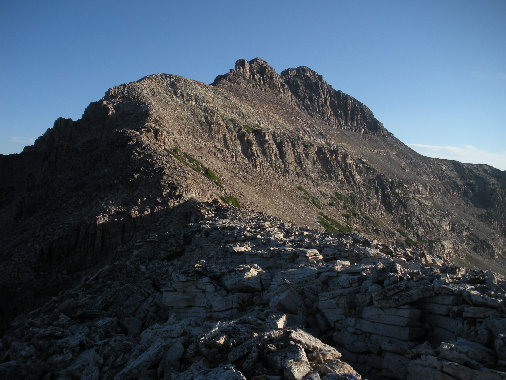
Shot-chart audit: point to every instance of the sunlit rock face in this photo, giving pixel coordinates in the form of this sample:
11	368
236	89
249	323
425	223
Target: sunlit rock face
264	226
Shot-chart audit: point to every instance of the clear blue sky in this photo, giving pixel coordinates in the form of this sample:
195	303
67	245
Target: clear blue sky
434	72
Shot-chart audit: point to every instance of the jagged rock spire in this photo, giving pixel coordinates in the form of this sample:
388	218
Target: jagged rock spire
309	90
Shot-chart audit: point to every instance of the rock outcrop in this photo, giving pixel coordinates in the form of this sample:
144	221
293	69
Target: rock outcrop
307	89
254	297
265	226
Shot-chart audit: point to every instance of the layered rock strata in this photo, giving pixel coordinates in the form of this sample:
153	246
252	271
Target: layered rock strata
118	266
254	297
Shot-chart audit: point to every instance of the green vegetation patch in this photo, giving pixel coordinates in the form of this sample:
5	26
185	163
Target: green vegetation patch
316	202
340	196
409	242
213	177
194	164
372	221
303	190
332	226
310	198
352	213
232	201
482	246
250	129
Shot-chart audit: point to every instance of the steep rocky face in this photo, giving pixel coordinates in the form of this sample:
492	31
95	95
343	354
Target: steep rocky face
256	73
287	145
320	100
307	89
80	192
236	295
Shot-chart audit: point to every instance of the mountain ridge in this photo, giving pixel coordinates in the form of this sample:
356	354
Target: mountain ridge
335	107
285	144
264	199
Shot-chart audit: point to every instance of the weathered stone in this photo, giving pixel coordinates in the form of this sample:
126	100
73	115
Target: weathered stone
88	361
349	341
402	333
172	356
464	352
417	371
393	345
288	301
402	293
479	312
239	249
313	375
394	365
439	334
459	371
133	325
276	321
500	346
153	152
435	308
246	278
375	361
91	372
139	365
311	255
496	326
225	372
447	323
201	320
309	342
449	300
476	298
345	281
292	361
339	368
9	370
391	316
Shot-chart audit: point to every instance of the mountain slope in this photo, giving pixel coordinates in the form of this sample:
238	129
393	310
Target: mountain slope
284	144
264	226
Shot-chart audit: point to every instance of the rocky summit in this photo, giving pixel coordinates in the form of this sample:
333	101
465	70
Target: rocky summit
265	226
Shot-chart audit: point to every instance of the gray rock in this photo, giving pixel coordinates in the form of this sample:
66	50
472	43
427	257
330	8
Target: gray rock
417	371
10	370
86	362
395	365
313	375
91	372
295	365
139	365
397	332
449	324
246	278
392	316
172	356
224	372
500	346
479	312
133	325
337	369
476	298
288	301
465	352
402	293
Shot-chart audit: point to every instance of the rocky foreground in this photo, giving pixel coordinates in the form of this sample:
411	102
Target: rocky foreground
235	295
286	145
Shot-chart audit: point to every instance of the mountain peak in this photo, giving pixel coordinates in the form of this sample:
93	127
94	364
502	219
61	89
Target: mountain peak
122	217
303	71
319	99
255	73
306	89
